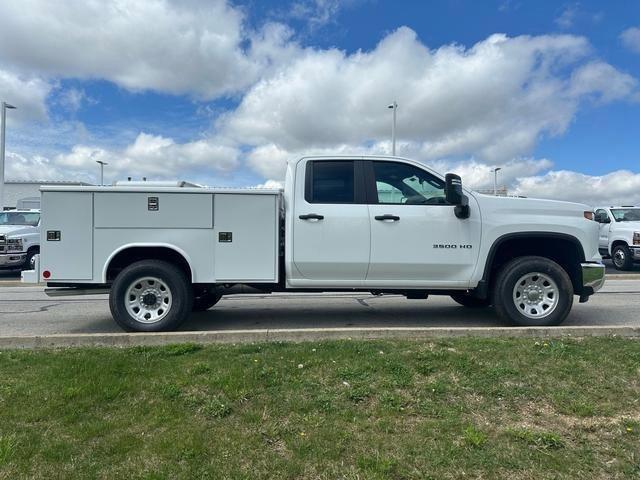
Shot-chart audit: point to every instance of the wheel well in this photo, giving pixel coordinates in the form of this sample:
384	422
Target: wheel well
128	256
618	242
34	248
566	251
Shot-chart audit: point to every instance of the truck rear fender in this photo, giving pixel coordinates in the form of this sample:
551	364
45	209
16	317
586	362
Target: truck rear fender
130	253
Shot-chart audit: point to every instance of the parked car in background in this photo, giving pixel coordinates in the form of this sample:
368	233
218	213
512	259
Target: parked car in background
19	238
619	235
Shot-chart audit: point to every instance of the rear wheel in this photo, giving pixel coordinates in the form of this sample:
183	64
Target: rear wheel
533	291
150	296
470	301
622	258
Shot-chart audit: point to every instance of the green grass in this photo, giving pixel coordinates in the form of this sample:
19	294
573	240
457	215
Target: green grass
464	408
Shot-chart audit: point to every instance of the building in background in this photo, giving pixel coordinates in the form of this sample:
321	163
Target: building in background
17	190
501	191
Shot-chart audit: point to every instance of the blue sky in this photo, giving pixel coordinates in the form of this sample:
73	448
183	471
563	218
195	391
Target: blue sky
250	84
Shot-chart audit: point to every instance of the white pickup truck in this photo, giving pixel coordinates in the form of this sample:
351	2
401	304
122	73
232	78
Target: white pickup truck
619	235
375	224
19	238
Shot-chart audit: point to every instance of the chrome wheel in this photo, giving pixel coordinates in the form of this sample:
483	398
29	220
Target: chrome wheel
148	300
536	295
32	262
619	258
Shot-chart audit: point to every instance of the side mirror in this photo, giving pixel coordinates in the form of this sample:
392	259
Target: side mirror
455	196
602	217
453	189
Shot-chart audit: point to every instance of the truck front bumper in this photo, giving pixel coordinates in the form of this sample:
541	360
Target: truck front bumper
10	260
592	279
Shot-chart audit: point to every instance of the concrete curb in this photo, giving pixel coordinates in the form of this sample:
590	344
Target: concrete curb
305	335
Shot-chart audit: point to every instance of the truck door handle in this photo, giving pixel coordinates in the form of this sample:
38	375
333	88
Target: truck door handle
311	216
395	218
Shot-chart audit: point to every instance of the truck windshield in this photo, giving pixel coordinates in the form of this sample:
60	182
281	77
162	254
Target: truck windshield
20	218
626	214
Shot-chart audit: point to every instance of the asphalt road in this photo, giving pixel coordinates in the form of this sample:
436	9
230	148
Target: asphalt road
28	311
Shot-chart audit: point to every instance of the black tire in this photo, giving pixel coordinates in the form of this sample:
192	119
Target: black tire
204	299
179	287
30	254
622	258
470	301
512	311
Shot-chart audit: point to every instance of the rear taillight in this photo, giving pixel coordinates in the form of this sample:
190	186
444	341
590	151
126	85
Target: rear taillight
588	215
46	274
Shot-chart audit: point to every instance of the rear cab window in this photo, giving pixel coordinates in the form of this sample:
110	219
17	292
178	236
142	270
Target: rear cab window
333	182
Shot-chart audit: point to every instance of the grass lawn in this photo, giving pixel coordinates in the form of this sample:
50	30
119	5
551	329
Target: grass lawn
462	408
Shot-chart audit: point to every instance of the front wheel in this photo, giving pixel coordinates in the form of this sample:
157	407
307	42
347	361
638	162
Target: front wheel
30	261
533	291
622	258
150	296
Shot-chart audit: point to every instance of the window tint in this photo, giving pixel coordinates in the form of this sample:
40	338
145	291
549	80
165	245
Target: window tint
331	182
626	214
19	218
400	183
602	212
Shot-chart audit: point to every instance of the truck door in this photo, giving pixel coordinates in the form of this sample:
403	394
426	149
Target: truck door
330	223
604	229
416	239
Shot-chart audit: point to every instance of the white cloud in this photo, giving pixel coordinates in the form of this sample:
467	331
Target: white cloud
603	81
73	99
151	156
568	16
478	175
195	47
492	101
620	187
38	167
316	13
28	93
275	184
631	39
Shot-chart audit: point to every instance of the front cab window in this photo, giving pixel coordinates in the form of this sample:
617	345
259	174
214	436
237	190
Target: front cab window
400	183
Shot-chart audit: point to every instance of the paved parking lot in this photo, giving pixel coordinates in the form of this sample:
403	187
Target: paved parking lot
28	311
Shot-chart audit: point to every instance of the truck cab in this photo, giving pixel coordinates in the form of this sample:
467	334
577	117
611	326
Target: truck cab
619	237
19	238
343	223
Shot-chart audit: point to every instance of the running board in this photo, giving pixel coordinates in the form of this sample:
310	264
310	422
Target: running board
71	291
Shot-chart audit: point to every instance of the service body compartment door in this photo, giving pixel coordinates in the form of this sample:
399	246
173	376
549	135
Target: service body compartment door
153	210
246	237
66	244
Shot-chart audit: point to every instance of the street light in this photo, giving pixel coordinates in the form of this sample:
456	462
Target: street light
393	106
495	180
5	106
102	164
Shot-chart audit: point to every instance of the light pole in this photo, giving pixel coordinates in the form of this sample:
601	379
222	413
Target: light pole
495	180
393	106
102	164
5	106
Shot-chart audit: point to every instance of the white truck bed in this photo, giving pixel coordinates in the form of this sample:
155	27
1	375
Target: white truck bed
226	235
